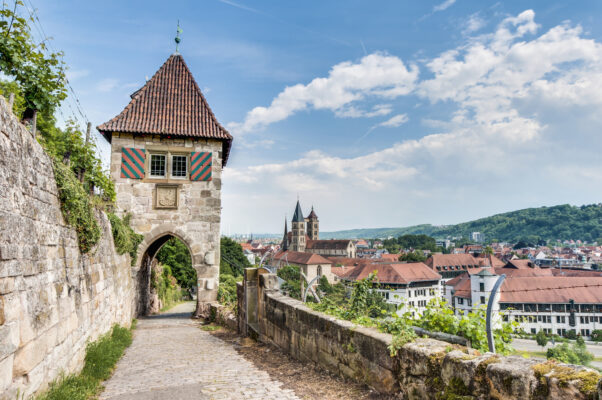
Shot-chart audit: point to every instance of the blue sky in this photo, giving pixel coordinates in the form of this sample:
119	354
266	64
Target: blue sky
379	113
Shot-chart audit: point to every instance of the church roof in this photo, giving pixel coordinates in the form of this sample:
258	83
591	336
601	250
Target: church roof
170	103
312	214
330	244
298	216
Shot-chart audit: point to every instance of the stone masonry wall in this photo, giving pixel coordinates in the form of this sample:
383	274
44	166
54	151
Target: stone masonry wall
423	369
53	300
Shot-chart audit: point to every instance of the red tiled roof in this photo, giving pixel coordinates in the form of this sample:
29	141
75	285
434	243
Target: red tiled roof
520	264
446	260
349	262
511	272
389	257
552	289
341	272
395	273
460	285
574	272
327	244
297	257
170	103
490	260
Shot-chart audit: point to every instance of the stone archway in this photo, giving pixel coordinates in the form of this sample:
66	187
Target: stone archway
148	249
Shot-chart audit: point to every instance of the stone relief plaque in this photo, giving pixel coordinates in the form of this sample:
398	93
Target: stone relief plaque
166	196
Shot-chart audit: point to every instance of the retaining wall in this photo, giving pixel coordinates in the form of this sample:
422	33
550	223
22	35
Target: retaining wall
423	369
53	299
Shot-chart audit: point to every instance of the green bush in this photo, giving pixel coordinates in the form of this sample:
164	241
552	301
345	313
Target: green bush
76	206
575	354
597	335
168	290
101	357
226	292
124	237
291	274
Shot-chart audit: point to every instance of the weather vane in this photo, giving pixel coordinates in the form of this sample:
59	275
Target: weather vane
178	39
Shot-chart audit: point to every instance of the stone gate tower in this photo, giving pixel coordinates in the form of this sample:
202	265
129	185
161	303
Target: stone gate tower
167	155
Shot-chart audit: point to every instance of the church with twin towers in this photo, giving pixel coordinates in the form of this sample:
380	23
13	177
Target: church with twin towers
304	237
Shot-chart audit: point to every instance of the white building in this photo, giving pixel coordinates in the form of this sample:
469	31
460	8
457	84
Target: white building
536	299
411	284
476	237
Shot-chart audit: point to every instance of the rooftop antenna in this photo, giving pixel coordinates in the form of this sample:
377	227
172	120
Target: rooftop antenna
178	39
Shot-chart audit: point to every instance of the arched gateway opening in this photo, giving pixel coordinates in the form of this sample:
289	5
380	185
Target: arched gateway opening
165	276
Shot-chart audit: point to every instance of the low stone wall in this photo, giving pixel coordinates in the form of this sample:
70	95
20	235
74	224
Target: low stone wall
53	299
423	369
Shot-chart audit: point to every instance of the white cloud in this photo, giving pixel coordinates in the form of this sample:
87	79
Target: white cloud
75	74
354	112
525	120
377	75
474	23
444	6
106	85
395	121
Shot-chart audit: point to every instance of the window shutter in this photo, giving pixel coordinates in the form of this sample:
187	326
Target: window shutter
200	166
132	163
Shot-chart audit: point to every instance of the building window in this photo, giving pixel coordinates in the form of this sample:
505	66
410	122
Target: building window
157	165
482	299
482	287
319	270
178	166
460	300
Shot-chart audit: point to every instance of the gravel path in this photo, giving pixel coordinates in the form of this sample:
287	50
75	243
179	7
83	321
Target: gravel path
172	358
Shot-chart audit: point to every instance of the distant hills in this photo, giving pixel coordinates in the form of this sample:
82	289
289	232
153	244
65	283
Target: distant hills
563	222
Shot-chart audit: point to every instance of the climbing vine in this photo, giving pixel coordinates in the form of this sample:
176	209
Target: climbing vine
76	206
124	237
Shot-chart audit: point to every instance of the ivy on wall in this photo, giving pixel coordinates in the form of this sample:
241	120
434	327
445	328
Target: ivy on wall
76	206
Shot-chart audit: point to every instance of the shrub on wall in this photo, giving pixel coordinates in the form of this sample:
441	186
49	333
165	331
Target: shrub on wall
124	237
76	206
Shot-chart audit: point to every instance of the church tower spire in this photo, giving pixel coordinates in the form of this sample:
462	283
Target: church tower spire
285	237
298	229
313	225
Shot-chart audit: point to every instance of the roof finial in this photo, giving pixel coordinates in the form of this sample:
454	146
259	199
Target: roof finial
178	39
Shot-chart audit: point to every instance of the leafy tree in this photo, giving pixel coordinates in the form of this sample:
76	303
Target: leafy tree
175	254
414	256
488	250
291	275
233	260
541	338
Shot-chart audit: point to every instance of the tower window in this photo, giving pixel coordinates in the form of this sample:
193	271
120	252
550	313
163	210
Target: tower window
178	166
157	165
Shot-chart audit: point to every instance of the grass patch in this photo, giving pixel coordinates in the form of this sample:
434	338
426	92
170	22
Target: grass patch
101	357
210	328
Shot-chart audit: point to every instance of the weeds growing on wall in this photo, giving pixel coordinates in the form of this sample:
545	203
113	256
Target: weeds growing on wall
226	292
101	357
124	237
366	307
76	206
166	285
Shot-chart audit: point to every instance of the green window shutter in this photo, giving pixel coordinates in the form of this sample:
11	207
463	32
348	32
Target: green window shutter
132	163
200	166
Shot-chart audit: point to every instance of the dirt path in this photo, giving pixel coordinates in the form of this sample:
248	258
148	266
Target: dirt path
305	379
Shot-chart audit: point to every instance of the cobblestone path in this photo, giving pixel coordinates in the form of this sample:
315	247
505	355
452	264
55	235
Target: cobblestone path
172	358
